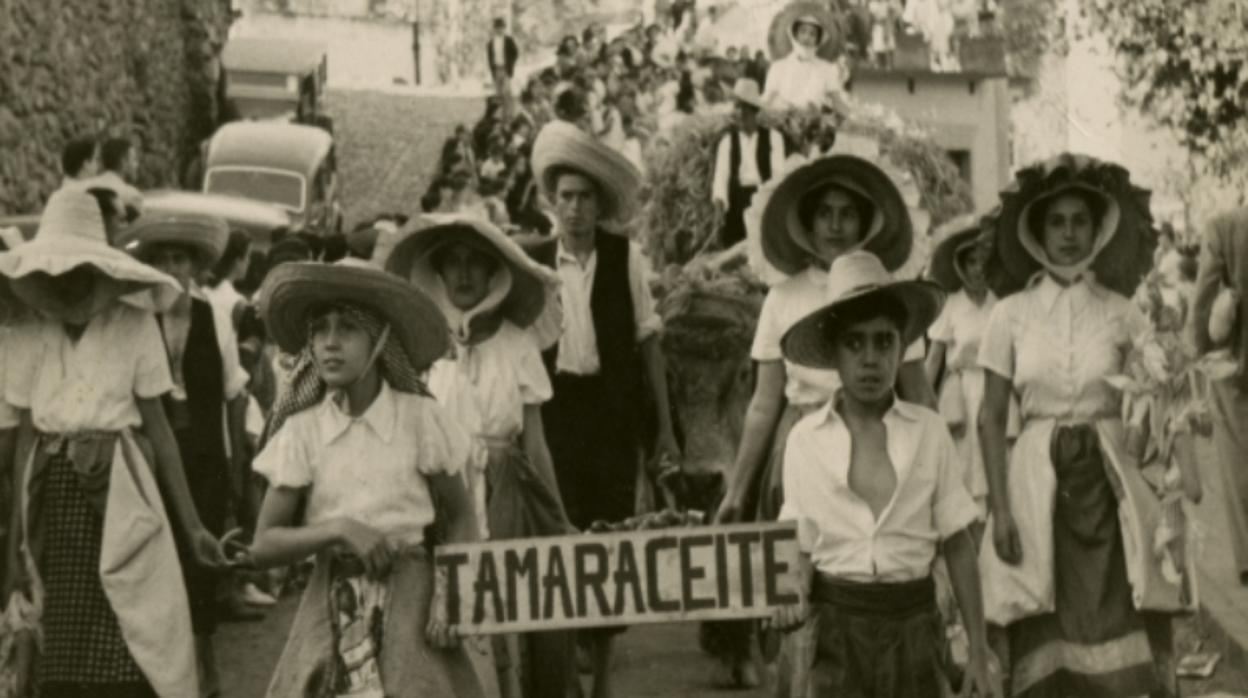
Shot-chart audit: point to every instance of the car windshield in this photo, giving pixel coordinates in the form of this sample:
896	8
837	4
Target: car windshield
280	188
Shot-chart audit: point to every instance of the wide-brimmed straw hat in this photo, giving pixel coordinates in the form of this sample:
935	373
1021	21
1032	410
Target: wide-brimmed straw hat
560	144
780	237
411	256
70	235
780	36
294	289
206	235
955	237
856	277
1126	239
747	90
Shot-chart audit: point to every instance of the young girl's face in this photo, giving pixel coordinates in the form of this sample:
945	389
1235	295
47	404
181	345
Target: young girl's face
973	269
466	274
340	347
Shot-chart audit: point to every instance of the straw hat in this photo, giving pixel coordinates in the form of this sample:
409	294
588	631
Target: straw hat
779	236
746	90
1123	253
780	36
71	234
560	144
206	235
857	276
956	236
294	289
410	256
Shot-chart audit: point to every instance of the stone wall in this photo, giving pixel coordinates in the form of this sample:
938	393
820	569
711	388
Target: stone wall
145	69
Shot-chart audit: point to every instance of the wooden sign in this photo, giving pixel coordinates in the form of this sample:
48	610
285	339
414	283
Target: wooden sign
653	576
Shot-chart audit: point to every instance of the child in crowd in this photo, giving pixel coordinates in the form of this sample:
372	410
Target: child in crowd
360	461
875	487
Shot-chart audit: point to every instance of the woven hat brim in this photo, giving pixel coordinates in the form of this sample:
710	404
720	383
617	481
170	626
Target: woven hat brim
806	344
893	242
530	282
54	258
1121	264
208	242
294	289
780	40
560	144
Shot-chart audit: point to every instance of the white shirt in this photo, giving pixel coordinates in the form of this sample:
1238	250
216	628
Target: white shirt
836	526
91	384
785	304
1058	345
960	326
224	297
232	373
498	47
370	468
578	346
747	172
793	83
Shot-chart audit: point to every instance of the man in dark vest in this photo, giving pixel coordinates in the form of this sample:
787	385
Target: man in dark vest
502	55
207	407
610	391
746	158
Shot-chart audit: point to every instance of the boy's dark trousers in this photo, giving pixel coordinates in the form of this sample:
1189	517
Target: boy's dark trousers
877	640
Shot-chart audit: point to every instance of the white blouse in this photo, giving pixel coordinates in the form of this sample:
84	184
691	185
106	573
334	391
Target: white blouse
960	326
785	304
91	384
485	388
370	468
8	414
1057	345
794	83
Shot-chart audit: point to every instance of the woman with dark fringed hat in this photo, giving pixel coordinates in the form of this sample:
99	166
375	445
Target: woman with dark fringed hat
1067	572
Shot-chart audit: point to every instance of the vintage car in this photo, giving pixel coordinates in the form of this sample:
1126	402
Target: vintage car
275	79
288	165
259	220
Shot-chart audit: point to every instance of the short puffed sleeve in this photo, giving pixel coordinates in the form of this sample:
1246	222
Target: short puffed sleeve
445	448
22	348
770	331
531	375
8	413
151	363
942	329
286	460
996	349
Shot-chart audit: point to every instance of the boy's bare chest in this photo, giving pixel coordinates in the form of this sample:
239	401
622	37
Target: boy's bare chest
872	475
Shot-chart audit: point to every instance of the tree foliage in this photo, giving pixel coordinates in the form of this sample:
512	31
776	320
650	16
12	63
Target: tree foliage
1183	64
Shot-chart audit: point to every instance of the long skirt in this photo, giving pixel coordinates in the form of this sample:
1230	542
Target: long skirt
82	643
1095	643
350	632
521	505
1230	437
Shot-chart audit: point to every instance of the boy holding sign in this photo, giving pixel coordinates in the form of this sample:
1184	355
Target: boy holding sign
874	485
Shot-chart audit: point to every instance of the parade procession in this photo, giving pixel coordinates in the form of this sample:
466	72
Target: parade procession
624	348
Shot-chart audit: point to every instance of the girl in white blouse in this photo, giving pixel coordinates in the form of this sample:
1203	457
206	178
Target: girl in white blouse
958	264
1068	572
494	385
360	462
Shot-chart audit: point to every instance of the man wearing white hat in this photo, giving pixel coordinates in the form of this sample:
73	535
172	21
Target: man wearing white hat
596	425
747	156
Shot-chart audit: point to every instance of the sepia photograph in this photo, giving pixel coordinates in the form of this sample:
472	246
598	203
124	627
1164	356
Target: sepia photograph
624	348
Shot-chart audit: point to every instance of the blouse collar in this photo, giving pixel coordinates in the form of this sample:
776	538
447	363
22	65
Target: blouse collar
380	416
